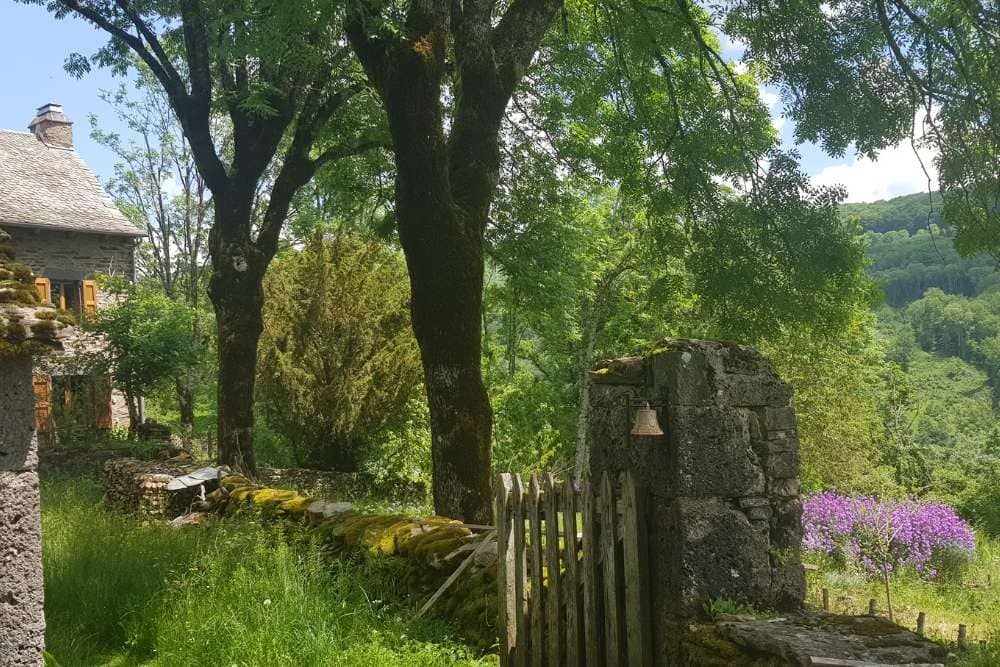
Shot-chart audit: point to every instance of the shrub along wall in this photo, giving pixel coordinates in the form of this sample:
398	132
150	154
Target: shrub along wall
429	550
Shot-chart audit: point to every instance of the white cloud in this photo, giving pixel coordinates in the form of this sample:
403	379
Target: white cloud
895	172
769	96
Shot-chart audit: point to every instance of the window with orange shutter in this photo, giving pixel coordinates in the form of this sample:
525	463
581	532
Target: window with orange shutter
89	299
44	289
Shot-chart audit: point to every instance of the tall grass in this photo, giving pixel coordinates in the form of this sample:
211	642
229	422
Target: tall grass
973	601
120	592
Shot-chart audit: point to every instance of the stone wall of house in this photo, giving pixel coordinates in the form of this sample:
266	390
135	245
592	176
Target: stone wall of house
722	483
89	254
44	249
22	622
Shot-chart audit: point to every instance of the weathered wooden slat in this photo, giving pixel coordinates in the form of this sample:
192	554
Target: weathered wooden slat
535	564
609	520
505	570
634	549
592	628
554	626
571	579
520	589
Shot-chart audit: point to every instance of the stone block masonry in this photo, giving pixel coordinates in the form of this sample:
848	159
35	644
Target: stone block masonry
88	254
22	622
724	514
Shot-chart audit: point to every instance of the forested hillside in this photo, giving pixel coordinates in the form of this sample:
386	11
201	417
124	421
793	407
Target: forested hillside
910	251
926	366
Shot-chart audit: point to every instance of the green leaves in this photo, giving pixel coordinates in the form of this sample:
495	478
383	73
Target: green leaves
150	338
338	360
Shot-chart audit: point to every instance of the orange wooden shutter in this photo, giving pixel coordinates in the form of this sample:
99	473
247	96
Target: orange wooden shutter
43	403
44	288
89	299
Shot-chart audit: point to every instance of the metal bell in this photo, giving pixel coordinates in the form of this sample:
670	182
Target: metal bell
646	422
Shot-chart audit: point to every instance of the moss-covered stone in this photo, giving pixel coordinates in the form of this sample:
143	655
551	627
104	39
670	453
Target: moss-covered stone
26	327
418	546
703	646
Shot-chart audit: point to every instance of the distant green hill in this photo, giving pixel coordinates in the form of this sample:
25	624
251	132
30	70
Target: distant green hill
909	212
909	256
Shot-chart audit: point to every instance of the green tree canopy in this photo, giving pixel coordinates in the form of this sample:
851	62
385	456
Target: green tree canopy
338	360
148	340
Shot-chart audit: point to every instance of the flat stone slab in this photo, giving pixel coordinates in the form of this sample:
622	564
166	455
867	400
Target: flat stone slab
821	640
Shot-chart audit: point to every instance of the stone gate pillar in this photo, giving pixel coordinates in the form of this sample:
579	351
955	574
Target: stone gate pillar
722	482
26	327
22	624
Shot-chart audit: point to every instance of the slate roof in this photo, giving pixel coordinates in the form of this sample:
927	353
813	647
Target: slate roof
52	188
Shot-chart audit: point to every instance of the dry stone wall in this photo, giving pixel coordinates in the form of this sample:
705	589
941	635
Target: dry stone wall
140	487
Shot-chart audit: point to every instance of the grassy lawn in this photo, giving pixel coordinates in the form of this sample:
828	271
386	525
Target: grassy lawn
121	592
975	601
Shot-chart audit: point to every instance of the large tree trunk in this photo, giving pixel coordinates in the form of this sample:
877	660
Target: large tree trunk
236	290
444	188
447	280
240	326
445	263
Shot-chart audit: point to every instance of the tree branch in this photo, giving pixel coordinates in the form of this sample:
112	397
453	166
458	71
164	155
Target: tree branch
518	35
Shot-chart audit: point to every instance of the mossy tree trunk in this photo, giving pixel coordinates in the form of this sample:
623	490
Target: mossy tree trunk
275	117
445	183
236	290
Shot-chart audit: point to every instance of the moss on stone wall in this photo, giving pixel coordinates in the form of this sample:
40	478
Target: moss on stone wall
26	325
427	549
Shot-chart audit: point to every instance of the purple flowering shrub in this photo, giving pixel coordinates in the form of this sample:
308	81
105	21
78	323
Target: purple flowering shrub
884	536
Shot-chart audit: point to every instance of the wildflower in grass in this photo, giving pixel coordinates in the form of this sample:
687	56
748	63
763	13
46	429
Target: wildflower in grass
882	536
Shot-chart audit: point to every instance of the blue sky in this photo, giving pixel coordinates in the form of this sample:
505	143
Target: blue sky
33	47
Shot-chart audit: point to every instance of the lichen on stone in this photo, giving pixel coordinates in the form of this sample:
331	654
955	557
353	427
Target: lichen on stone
27	326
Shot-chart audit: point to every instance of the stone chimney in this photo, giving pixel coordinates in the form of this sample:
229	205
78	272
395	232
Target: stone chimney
52	127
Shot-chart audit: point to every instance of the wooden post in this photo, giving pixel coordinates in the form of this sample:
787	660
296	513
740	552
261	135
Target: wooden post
505	571
609	542
921	623
517	521
963	642
571	582
634	547
537	621
826	599
591	628
871	607
556	639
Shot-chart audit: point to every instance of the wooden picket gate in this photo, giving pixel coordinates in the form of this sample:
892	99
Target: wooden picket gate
572	572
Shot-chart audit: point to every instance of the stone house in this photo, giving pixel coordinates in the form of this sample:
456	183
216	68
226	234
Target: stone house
67	229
